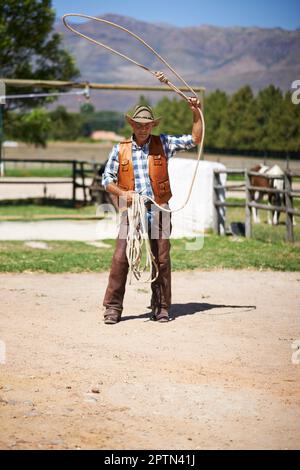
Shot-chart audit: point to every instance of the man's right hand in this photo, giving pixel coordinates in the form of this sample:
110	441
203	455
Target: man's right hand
128	196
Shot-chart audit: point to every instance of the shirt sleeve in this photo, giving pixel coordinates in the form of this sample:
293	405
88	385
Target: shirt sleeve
110	174
173	143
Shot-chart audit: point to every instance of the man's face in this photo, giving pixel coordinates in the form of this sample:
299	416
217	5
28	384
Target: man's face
142	131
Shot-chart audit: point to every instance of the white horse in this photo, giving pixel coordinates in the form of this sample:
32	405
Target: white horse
274	199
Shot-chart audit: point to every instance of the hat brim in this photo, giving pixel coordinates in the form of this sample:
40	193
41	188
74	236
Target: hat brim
130	120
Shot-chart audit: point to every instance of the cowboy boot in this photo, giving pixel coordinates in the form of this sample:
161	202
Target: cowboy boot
114	295
161	288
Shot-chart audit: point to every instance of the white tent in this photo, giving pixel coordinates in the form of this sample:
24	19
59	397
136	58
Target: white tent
197	216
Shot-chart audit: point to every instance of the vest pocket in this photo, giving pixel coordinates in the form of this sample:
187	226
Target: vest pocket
164	187
122	186
157	160
125	165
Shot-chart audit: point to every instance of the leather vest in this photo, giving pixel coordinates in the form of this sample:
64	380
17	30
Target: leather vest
157	165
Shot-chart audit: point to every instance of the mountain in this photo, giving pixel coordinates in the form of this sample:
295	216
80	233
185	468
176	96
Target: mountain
209	56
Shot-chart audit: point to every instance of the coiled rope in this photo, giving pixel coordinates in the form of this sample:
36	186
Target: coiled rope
136	212
137	237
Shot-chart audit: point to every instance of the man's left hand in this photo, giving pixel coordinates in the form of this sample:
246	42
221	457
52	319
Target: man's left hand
194	104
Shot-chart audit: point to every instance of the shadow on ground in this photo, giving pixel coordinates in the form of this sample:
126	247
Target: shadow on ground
192	308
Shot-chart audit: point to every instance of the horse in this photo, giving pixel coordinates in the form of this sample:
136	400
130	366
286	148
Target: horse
274	199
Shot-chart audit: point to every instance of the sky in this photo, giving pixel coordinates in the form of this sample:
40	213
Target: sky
261	13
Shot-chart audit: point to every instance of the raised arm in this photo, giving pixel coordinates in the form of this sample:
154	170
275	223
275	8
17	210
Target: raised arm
197	128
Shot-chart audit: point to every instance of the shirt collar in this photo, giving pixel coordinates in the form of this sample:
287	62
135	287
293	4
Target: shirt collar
136	146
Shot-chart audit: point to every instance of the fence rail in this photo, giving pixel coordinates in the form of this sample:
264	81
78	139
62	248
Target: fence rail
80	170
219	197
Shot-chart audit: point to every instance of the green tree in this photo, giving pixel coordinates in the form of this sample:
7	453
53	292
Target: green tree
30	50
64	125
100	120
87	109
32	127
176	116
215	112
289	131
28	47
239	126
269	109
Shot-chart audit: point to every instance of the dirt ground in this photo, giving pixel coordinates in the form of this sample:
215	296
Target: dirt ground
220	376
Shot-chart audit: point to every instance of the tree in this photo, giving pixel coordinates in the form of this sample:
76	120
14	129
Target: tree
28	47
32	127
289	131
269	109
64	125
100	120
215	112
176	116
239	127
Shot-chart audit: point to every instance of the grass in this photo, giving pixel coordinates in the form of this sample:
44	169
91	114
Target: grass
45	211
66	172
217	253
267	249
54	172
49	209
236	178
263	231
241	178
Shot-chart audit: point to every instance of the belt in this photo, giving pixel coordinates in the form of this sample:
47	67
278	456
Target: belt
148	205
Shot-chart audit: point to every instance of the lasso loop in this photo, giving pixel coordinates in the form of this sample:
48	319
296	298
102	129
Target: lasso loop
137	236
114	25
156	74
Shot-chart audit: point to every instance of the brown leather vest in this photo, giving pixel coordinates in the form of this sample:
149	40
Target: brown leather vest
158	169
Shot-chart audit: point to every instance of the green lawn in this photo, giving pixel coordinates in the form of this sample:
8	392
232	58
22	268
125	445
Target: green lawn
53	172
241	178
44	211
217	252
267	249
263	231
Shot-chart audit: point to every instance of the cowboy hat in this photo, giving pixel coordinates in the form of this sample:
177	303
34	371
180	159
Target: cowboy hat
143	114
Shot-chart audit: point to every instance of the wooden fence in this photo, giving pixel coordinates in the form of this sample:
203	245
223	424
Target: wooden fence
80	170
220	203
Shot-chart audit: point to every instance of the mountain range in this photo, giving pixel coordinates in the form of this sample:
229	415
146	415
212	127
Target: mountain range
209	56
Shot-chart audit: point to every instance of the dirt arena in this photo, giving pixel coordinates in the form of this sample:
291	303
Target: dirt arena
222	375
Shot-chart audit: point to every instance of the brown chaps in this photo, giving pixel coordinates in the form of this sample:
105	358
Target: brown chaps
161	288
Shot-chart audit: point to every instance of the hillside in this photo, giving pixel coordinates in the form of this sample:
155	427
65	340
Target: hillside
213	57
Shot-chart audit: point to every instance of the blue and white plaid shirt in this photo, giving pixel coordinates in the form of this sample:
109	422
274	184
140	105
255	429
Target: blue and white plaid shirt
171	144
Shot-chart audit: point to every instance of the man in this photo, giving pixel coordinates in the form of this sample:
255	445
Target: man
141	165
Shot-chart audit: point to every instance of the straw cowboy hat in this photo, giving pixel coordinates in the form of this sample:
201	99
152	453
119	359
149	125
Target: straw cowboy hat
143	114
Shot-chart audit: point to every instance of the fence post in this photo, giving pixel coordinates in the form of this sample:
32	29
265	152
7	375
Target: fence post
215	199
288	205
74	170
219	211
248	224
83	181
1	137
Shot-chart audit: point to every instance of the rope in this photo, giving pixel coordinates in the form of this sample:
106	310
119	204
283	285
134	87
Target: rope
137	237
159	75
137	234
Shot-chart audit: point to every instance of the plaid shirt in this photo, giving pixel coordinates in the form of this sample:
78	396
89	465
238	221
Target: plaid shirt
140	155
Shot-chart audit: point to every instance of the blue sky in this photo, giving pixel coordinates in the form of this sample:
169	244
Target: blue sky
262	13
